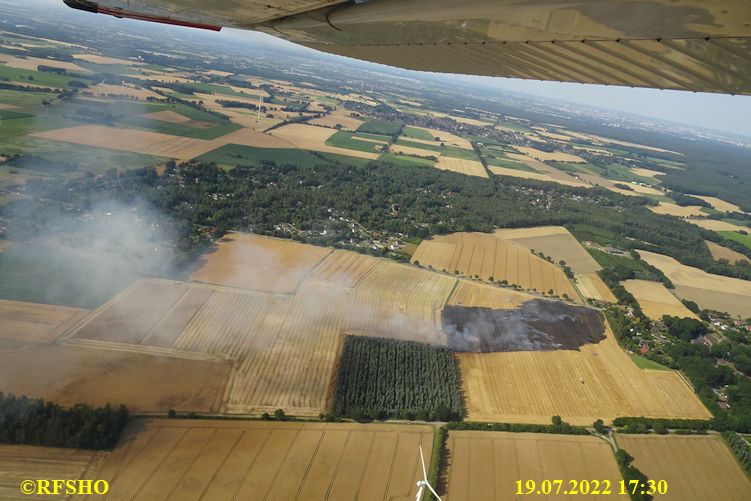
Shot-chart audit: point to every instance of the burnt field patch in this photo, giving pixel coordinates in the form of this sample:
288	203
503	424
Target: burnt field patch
539	325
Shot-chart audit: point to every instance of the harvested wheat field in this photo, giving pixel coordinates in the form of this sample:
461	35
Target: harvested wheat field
447	138
473	295
150	143
486	256
529	387
656	300
462	166
720	252
22	462
96	59
121	90
168	116
24	324
709	291
695	467
484	466
409	150
504	171
553	174
96	373
557	156
282	348
32	63
715	225
553	241
719	204
639	171
591	286
260	263
676	210
338	117
310	137
224	460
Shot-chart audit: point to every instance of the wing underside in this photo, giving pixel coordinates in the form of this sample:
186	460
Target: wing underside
697	45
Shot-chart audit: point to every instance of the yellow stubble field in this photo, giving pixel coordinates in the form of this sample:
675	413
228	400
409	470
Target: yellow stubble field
460	165
676	210
708	291
655	300
557	156
719	252
530	387
591	286
488	256
96	59
715	225
485	466
338	117
719	204
282	347
224	460
310	137
694	467
24	462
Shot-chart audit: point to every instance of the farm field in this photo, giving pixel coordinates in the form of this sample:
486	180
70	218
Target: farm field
253	262
24	323
338	117
676	210
484	466
708	291
557	156
474	295
218	460
719	204
715	225
406	160
232	155
656	300
22	462
460	165
720	252
283	335
529	387
591	286
741	238
486	256
410	150
553	241
310	137
695	467
443	137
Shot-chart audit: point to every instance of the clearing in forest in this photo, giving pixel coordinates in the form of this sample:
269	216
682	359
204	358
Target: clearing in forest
719	204
186	459
672	209
720	252
485	466
695	467
656	300
715	225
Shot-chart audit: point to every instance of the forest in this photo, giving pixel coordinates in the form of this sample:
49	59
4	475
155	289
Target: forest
28	421
386	378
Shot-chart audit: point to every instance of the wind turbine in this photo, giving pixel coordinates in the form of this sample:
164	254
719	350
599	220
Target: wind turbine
424	482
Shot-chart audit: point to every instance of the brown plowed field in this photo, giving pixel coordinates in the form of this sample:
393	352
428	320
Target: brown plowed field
485	466
224	460
695	467
530	387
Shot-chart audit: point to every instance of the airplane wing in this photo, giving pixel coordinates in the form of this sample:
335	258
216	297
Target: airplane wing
696	45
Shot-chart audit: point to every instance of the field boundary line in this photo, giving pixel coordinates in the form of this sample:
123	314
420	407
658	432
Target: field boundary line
146	350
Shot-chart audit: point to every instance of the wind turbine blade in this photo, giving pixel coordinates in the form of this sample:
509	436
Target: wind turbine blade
419	492
434	492
422	460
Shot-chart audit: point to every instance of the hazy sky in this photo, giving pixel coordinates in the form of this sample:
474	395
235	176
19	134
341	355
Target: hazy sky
713	111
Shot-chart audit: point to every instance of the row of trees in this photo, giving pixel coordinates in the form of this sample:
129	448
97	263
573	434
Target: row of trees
382	378
740	448
28	421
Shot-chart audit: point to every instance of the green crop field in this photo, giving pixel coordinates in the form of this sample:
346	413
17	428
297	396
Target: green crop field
377	137
382	127
431	147
37	77
233	154
645	363
389	378
406	160
501	161
738	237
24	99
417	133
343	139
454	152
